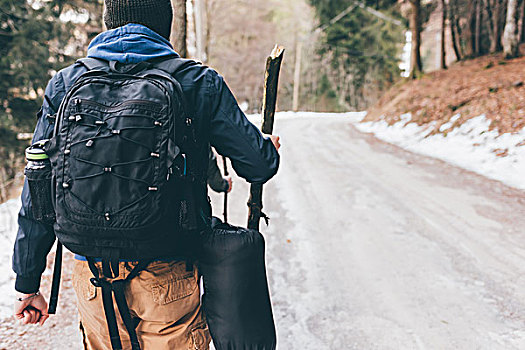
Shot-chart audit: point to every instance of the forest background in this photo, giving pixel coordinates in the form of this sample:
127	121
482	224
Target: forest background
341	55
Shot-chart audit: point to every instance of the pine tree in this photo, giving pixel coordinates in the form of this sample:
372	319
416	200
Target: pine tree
34	44
25	36
363	50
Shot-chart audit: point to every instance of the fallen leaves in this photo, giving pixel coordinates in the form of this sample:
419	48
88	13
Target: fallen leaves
486	85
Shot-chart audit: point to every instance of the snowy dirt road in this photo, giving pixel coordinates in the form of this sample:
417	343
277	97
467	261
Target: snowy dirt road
369	247
373	247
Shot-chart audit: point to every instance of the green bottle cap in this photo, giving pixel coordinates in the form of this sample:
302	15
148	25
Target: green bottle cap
36	152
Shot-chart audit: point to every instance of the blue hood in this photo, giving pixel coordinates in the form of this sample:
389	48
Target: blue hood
131	43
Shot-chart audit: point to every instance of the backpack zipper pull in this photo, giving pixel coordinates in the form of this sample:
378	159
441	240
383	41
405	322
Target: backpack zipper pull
77	102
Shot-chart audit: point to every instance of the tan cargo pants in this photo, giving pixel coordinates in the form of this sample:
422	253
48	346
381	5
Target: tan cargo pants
164	298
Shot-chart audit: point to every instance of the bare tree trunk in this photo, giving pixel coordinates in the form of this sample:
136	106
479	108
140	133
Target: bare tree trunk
510	34
443	28
192	42
522	22
103	24
179	27
3	185
495	40
453	22
199	28
477	37
416	66
297	76
208	5
470	29
490	17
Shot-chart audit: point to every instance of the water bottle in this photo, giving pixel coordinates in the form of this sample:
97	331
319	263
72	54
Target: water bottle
39	177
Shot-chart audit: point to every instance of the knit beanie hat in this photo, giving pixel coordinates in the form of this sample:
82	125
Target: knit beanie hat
157	15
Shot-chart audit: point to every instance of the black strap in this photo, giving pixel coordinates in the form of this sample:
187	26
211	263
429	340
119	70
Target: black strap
55	285
116	287
107	301
120	298
106	268
93	268
50	103
110	263
167	68
111	318
137	269
167	71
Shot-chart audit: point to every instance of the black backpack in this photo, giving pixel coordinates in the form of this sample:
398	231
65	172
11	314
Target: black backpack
124	167
122	146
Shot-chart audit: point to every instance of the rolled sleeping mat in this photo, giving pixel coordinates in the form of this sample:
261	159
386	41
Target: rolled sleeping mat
236	298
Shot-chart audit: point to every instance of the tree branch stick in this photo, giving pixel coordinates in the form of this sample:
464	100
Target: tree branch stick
271	82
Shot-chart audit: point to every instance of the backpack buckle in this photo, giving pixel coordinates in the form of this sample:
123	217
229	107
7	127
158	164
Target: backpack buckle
94	281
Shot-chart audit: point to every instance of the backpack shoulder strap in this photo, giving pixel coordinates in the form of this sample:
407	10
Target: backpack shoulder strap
171	66
93	63
174	64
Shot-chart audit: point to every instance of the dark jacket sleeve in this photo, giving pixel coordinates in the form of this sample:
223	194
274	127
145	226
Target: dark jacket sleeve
253	156
215	179
34	240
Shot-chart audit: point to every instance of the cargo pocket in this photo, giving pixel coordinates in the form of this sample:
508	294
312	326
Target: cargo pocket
200	337
173	292
174	289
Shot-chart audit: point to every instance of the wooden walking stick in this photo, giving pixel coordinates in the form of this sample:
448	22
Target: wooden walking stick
225	212
271	82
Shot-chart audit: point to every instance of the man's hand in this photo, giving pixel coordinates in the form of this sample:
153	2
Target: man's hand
275	141
230	184
32	309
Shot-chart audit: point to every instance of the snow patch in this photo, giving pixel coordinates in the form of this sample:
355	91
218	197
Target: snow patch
449	124
8	228
470	146
352	116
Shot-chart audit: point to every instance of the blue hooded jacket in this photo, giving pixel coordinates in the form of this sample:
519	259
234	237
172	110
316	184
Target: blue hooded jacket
217	115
